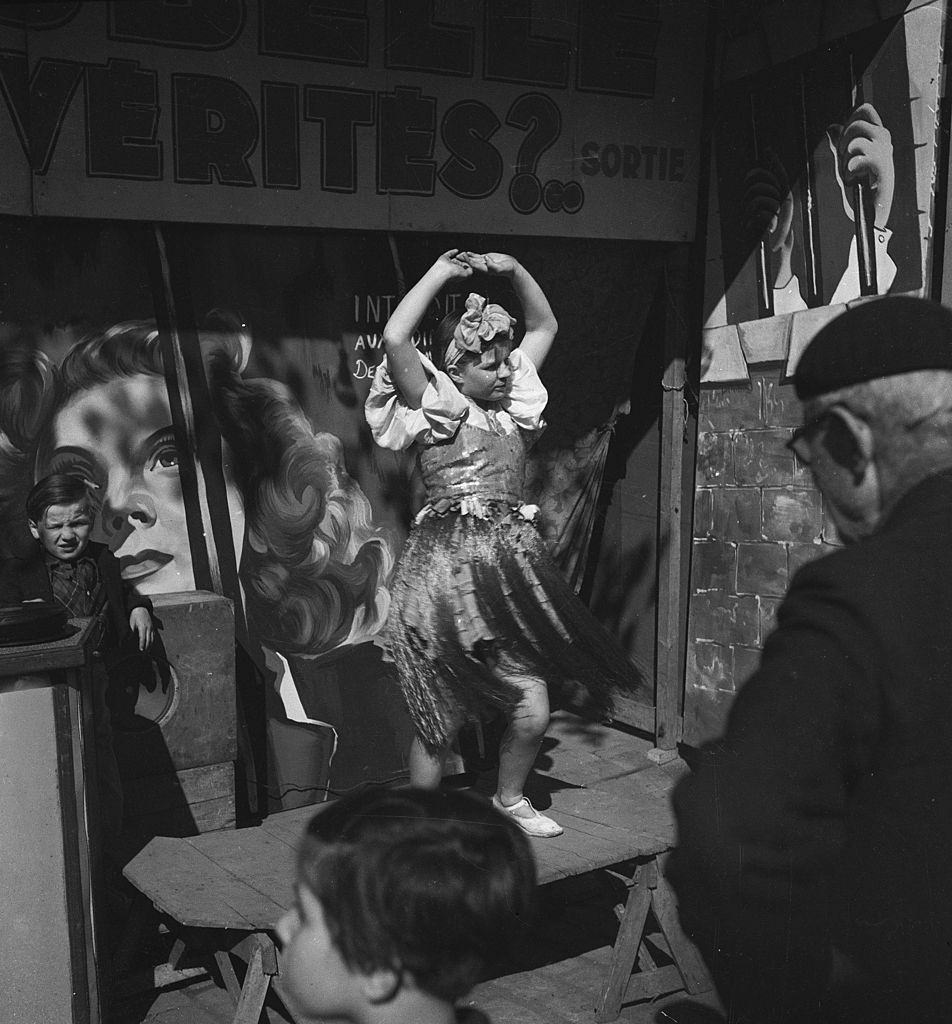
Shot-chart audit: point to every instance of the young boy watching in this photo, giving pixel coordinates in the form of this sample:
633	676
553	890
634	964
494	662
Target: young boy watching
69	569
403	897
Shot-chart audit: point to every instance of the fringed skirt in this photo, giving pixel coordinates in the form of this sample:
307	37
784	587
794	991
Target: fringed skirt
476	601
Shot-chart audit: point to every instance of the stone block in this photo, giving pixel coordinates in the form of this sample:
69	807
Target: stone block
782	408
737	513
703	512
761	569
768	616
709	666
731	408
746	663
713	566
791	514
802	477
761	458
714	464
806	324
705	715
722	359
765	341
725	618
798	555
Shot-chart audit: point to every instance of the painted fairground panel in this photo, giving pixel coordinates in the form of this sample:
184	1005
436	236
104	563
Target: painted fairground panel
822	174
823	181
570	129
288	325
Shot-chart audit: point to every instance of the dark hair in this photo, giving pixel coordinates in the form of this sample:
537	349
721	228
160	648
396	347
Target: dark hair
436	884
55	489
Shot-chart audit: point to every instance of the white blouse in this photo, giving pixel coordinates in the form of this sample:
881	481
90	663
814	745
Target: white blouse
443	408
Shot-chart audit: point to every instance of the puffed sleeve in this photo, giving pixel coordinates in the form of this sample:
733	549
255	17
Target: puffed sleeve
396	426
527	396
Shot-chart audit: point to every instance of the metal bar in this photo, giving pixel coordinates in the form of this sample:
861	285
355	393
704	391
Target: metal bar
210	529
863	217
810	234
764	276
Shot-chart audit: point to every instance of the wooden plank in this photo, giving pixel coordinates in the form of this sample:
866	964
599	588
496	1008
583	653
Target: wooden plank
196	891
686	956
253	992
650	985
584	753
631	712
252	856
289	826
191	785
626	947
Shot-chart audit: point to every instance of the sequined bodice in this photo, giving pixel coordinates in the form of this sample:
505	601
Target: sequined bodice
475	463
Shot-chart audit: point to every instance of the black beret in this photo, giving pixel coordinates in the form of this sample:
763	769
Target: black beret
879	338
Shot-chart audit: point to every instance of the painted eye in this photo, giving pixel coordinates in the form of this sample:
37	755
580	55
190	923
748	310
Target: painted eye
165	454
165	458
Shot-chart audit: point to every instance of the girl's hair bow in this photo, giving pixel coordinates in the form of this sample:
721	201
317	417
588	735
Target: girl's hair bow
480	322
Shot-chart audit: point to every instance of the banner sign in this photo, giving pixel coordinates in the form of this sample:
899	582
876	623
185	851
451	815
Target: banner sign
567	118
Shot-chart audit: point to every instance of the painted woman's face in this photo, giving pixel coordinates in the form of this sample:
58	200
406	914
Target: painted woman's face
119	436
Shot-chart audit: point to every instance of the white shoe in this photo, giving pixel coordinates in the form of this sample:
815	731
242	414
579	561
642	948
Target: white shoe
529	819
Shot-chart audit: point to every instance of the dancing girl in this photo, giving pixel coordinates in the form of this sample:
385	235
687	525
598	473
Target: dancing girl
481	620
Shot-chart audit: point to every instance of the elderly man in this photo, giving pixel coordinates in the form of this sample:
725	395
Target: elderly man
814	865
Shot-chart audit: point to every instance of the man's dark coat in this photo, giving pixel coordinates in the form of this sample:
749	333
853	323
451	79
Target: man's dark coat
815	839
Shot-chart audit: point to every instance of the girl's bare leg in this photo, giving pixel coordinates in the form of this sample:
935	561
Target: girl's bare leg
426	768
522	739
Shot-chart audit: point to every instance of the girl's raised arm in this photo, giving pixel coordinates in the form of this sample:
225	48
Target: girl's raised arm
406	370
541	325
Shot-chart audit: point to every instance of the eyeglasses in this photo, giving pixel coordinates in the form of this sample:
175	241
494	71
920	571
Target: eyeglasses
799	442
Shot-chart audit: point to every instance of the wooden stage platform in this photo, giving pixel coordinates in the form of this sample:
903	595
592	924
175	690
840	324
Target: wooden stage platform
611	799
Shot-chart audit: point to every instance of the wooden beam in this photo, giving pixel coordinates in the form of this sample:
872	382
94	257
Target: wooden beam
674	422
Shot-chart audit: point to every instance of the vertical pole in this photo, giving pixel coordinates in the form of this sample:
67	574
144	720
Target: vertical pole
674	420
764	275
203	483
811	237
863	213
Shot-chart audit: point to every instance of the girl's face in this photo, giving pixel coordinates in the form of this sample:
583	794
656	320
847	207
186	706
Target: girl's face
486	379
119	436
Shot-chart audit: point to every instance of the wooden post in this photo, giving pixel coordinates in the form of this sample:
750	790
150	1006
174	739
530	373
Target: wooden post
674	420
214	559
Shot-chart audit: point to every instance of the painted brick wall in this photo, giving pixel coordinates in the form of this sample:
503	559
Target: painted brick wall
757	519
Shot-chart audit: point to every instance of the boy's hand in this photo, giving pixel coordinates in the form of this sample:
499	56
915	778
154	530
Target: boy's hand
492	262
140	622
454	264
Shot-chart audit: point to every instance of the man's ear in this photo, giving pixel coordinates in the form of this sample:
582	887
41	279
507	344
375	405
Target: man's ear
382	984
454	374
34	529
850	442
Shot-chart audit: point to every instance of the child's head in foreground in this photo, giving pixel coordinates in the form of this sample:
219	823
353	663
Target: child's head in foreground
61	515
402	895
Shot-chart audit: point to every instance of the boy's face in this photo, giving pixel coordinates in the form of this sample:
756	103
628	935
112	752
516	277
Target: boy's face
64	530
315	981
